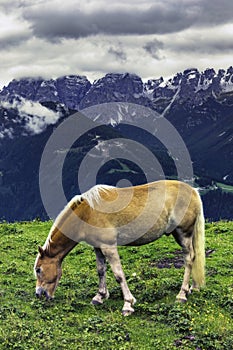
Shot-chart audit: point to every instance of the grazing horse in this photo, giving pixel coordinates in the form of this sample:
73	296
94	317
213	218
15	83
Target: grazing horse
106	217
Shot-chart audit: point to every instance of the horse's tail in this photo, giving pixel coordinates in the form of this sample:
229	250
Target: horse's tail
198	269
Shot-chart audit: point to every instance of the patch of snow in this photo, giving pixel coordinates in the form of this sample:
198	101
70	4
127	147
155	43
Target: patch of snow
227	86
222	133
119	117
204	85
163	84
148	93
113	122
6	133
192	76
97	117
172	101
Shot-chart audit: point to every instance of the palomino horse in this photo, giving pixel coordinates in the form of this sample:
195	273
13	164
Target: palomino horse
106	216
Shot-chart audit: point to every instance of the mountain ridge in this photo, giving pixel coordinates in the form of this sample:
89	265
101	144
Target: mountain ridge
198	104
71	89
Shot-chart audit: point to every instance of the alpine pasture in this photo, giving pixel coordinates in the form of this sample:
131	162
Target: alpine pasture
154	273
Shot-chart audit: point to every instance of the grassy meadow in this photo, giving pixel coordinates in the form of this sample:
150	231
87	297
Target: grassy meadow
154	274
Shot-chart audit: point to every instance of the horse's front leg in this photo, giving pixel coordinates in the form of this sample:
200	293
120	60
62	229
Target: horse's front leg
101	268
114	261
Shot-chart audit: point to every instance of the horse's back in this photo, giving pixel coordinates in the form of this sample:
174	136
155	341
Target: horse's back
175	205
161	207
141	214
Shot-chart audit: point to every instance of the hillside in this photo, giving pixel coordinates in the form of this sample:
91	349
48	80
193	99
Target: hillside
154	274
196	104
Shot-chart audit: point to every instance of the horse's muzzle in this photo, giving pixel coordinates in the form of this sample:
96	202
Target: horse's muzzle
42	292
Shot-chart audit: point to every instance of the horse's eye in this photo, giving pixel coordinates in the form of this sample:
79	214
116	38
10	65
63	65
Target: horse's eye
38	270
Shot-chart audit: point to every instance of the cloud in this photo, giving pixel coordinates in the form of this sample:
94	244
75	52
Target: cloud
14	30
215	40
95	37
77	24
118	53
56	22
14	39
153	48
35	116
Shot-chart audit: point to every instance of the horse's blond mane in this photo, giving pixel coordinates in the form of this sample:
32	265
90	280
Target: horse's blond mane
93	196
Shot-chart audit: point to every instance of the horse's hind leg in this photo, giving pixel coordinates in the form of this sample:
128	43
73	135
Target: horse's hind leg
187	245
101	268
114	261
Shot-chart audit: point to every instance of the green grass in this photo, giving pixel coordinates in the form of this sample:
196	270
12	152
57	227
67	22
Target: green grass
225	188
70	322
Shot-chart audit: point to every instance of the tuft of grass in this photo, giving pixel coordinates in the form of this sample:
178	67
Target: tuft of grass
204	322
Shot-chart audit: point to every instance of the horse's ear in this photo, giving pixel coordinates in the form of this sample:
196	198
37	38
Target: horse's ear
41	251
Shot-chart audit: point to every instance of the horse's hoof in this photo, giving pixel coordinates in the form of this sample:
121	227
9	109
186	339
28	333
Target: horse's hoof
181	300
127	312
194	289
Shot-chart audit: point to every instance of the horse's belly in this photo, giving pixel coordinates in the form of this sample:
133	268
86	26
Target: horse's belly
142	239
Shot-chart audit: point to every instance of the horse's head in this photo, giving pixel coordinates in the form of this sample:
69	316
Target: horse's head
48	273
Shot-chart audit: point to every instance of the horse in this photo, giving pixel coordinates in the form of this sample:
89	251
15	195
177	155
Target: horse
107	216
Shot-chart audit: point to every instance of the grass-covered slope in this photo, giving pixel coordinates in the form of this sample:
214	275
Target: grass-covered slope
154	274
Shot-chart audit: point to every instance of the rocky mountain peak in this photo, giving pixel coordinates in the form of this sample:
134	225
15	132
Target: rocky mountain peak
115	87
68	90
190	87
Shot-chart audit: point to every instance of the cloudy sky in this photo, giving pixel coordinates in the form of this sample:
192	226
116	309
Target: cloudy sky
151	38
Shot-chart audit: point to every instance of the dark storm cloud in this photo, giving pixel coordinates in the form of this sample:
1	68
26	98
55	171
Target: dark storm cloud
77	24
160	18
215	12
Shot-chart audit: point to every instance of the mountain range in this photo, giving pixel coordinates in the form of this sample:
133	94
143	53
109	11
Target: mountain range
199	105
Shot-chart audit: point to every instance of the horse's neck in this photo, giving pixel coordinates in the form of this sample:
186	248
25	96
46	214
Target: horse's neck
58	244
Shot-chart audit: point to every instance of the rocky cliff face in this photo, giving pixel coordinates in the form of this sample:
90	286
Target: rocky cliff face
116	88
68	90
191	87
76	92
